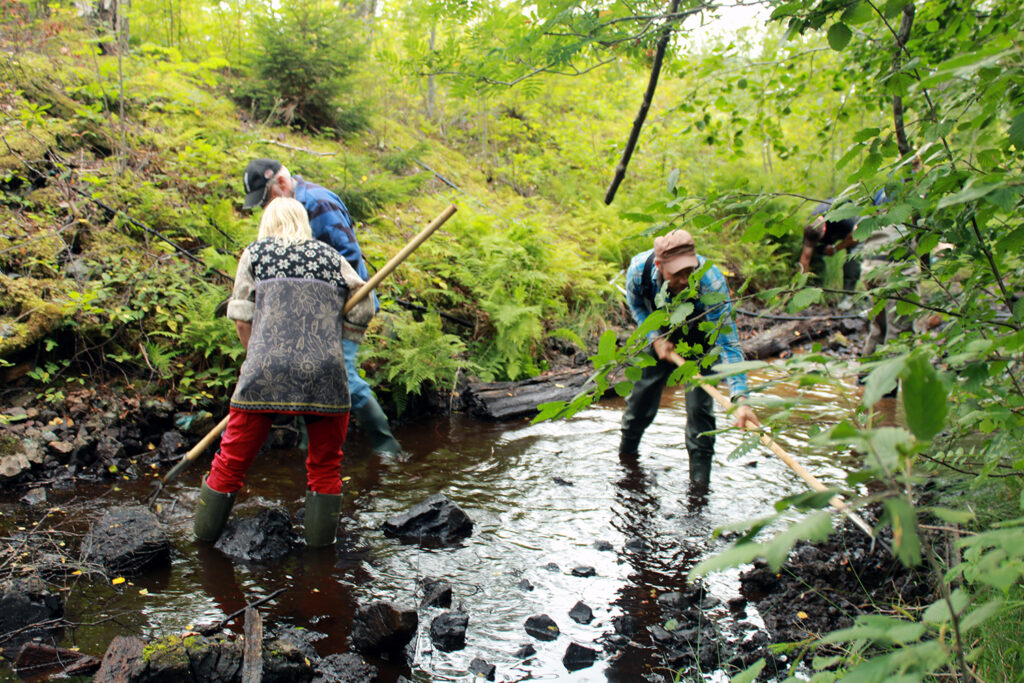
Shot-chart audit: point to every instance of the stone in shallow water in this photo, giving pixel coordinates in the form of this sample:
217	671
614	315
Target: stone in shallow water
584	572
436	519
480	667
581	613
345	668
525	651
127	540
578	657
266	536
436	592
542	627
383	628
448	631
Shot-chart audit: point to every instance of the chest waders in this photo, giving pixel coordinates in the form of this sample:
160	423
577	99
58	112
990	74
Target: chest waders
643	401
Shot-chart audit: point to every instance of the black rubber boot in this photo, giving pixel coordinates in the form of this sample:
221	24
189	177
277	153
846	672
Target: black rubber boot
211	514
372	420
322	511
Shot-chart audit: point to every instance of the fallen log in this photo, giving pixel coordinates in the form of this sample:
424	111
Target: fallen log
252	658
510	400
785	335
35	659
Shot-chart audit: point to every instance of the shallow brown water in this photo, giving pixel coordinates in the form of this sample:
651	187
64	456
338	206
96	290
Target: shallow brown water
540	496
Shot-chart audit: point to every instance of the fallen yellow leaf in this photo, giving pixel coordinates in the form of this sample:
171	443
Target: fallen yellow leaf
117	581
802	615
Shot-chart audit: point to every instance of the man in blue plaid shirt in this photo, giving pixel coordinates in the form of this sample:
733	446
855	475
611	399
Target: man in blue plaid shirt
670	264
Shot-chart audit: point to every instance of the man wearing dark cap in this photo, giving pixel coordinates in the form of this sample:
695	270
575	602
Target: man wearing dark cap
267	179
669	267
824	238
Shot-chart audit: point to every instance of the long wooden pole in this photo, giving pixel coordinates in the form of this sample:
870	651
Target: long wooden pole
359	295
812	481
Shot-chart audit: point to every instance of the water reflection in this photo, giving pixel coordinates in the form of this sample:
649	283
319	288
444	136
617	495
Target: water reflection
545	499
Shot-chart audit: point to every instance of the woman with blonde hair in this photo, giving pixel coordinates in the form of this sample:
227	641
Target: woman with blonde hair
289	295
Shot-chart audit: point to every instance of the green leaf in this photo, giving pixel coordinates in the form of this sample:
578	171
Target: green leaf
952	516
970	193
858	13
906	543
1017	132
938	611
673	180
681	313
979	616
882	380
924	397
750	674
803	298
839	35
623	388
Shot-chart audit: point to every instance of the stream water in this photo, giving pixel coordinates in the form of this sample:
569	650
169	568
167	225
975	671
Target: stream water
540	495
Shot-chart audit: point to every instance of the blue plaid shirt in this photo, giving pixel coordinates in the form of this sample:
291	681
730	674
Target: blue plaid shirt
721	313
330	221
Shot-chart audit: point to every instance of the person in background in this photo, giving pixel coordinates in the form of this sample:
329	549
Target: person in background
825	238
671	263
267	179
288	301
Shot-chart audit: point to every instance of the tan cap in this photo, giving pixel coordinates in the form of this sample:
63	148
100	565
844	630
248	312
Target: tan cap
675	252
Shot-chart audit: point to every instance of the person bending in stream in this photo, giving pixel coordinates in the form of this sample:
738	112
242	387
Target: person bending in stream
670	264
288	301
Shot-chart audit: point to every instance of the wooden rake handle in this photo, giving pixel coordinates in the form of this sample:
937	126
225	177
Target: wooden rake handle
812	481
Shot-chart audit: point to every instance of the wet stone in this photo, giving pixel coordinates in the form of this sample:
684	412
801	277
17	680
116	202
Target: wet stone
542	627
480	667
36	496
578	657
127	540
448	631
383	628
584	572
26	601
344	668
637	545
266	536
660	635
581	613
552	567
525	651
626	625
436	593
562	482
603	546
436	519
673	600
737	604
524	584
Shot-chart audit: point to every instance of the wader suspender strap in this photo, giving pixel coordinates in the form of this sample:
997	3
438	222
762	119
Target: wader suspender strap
647	286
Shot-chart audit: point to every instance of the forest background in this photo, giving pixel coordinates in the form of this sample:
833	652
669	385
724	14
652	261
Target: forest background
126	128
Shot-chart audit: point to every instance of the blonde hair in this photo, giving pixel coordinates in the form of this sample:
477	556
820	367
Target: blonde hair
285	220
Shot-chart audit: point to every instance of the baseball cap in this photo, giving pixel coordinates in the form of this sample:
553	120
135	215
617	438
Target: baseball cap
675	251
255	178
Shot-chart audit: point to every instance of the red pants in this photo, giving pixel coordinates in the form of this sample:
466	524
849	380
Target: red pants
246	433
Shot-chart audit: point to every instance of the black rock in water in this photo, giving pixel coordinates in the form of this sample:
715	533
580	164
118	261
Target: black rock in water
436	519
345	668
525	651
479	667
24	602
436	593
448	631
266	536
524	584
383	628
578	657
127	540
542	627
603	546
581	613
626	625
584	572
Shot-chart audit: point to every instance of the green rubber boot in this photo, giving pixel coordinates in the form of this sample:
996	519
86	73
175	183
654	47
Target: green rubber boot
372	420
211	513
322	511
